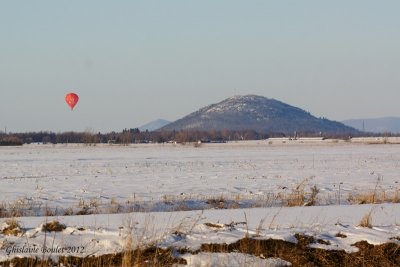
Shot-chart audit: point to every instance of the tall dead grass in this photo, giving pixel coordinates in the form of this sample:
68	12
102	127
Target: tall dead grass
302	194
12	227
366	220
374	197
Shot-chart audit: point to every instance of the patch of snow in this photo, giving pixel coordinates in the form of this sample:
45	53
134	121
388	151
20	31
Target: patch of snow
231	259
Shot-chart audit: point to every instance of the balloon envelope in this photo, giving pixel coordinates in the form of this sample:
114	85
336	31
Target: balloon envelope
71	100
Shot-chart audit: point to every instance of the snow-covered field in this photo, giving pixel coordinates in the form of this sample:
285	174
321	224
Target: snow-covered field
177	195
154	177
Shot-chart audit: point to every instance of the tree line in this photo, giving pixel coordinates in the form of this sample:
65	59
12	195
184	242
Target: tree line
134	135
128	136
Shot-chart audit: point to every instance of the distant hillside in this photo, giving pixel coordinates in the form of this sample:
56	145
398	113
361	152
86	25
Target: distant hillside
377	125
154	125
251	112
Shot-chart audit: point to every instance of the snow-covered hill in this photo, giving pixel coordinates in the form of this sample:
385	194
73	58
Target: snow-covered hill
251	112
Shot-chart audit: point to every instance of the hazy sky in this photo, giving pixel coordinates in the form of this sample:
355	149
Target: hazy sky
135	61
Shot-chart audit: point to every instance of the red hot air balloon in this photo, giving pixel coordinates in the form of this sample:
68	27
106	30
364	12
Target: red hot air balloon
71	100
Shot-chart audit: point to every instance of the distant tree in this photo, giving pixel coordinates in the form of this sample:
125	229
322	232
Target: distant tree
11	140
46	139
125	138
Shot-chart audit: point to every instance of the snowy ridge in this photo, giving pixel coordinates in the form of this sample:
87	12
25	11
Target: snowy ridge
236	103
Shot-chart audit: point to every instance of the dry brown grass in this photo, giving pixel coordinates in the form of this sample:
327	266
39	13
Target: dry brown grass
366	221
214	225
53	226
217	202
301	254
298	254
375	197
12	228
48	212
302	194
127	255
296	197
69	211
3	210
149	257
299	196
313	196
341	235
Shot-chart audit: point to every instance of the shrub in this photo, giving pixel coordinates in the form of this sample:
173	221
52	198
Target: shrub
53	226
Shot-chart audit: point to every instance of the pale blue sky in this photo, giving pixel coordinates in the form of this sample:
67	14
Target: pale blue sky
135	61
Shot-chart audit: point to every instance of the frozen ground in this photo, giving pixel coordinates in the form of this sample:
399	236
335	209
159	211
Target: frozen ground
98	234
109	179
253	177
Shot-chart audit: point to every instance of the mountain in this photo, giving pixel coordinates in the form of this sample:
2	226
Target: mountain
376	125
154	125
251	112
